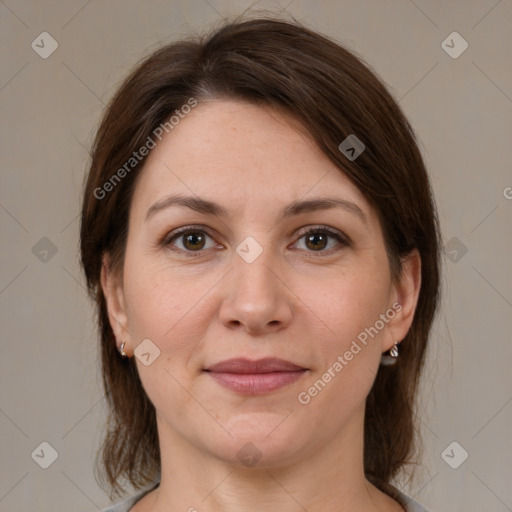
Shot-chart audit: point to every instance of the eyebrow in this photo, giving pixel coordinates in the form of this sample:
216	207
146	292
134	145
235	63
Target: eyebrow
206	207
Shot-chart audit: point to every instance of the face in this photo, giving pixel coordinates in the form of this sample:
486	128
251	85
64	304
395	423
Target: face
260	271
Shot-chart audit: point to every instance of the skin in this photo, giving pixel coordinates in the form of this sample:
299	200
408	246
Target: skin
299	301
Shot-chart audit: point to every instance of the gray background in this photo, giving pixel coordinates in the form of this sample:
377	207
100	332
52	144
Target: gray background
461	110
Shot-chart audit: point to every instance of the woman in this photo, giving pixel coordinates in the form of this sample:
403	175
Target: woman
260	239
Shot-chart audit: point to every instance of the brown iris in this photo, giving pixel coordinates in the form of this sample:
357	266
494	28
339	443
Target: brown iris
193	241
314	238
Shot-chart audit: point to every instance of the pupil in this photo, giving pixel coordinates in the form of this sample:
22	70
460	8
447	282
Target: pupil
192	240
314	237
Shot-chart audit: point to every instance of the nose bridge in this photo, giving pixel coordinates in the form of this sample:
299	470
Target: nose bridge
256	297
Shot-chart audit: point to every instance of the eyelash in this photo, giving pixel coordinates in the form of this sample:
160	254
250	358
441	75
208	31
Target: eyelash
166	242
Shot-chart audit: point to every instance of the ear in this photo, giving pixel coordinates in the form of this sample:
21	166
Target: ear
112	286
405	292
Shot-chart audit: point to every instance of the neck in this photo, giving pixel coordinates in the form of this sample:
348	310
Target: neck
328	476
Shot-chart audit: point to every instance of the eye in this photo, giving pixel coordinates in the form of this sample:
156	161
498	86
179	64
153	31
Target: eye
189	239
317	239
192	240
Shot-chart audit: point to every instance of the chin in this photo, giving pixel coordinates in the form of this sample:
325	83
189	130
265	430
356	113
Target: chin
259	444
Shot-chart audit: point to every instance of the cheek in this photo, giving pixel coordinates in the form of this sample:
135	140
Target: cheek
162	306
159	299
173	310
149	307
350	304
351	347
348	355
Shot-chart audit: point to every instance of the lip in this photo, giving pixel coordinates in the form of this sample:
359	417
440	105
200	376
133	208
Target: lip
242	365
248	377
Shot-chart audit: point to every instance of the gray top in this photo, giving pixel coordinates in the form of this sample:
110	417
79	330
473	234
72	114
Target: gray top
408	503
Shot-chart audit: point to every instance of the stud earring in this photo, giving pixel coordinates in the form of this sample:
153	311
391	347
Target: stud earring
121	349
388	360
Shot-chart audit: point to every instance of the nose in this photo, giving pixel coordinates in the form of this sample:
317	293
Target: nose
256	298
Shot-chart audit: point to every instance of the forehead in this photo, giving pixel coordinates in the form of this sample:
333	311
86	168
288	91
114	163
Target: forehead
240	154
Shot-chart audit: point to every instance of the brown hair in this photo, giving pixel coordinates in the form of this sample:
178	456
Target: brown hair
333	94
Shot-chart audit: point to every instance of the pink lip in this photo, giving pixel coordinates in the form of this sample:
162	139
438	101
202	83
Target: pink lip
255	377
241	365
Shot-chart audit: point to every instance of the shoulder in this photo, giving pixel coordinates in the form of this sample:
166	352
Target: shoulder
123	506
127	504
409	504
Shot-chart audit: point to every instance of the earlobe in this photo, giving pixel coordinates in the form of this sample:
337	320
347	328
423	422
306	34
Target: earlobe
114	296
407	292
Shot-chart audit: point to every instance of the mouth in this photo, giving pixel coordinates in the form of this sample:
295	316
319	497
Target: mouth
248	377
